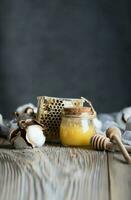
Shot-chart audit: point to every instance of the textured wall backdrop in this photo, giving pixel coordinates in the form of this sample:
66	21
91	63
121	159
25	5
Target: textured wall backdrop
66	48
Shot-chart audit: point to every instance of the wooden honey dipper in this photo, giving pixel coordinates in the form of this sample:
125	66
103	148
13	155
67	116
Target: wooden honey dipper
100	142
115	136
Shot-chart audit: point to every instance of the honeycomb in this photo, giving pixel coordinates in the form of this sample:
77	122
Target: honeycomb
49	114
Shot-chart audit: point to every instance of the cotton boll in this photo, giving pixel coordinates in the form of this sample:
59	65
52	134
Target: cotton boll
97	124
105	117
35	136
120	121
109	124
122	117
21	109
13	124
1	120
100	132
4	129
26	133
126	137
128	124
126	113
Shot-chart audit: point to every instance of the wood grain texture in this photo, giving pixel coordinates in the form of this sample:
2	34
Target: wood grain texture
119	177
53	173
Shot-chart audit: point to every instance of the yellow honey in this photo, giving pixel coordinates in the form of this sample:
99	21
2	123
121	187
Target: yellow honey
76	128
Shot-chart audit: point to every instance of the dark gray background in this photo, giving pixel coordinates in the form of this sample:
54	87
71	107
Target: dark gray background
65	48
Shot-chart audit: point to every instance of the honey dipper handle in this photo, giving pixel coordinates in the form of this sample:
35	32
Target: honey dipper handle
123	149
115	135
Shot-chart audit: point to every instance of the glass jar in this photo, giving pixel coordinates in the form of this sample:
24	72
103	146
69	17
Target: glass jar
77	126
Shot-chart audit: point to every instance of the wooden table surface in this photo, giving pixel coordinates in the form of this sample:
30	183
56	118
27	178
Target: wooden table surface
59	173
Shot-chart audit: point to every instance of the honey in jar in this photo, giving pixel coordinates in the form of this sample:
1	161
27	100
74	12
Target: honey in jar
77	126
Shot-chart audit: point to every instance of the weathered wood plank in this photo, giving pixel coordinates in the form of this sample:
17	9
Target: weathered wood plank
53	173
120	177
